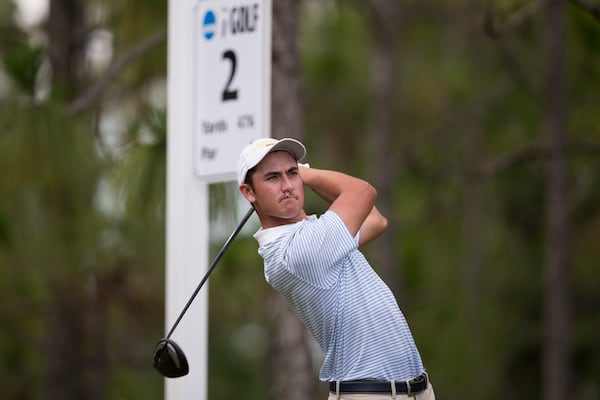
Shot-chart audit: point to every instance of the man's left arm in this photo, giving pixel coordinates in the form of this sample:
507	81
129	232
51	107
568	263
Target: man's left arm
375	224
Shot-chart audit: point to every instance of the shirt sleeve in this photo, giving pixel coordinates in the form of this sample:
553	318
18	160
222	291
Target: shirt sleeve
318	248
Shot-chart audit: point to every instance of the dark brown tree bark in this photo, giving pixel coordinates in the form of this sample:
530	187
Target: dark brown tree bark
67	33
292	373
286	112
75	346
385	161
75	335
556	369
65	341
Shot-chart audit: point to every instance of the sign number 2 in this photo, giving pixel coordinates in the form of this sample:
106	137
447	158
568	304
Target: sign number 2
228	93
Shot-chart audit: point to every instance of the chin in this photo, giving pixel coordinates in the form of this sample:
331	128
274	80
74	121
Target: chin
291	214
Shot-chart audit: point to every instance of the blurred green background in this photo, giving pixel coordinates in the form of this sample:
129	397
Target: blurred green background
478	121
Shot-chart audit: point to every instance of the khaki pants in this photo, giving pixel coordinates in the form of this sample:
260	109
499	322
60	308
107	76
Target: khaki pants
426	394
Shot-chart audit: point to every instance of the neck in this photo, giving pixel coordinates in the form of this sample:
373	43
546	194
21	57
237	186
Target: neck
267	221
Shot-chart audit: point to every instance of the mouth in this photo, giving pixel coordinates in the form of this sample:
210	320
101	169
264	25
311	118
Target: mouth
284	198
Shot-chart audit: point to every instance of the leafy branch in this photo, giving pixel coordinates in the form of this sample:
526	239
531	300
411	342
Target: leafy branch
531	153
90	96
496	30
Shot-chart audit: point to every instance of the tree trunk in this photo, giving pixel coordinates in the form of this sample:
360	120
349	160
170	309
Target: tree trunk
556	370
67	32
75	336
64	343
293	377
75	345
381	131
286	115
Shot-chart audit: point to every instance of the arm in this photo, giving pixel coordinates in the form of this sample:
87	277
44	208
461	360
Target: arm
351	198
374	226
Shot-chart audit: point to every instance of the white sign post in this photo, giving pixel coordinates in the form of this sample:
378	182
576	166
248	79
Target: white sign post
219	75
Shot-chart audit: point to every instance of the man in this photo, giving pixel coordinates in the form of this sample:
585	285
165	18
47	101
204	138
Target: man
315	264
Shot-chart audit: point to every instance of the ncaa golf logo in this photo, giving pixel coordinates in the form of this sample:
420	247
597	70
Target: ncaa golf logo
209	25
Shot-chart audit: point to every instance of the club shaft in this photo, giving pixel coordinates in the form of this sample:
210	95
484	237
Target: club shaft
211	267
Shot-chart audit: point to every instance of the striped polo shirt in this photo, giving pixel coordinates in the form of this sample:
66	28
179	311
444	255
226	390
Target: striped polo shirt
316	266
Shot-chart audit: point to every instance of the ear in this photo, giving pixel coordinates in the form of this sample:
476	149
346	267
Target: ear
247	192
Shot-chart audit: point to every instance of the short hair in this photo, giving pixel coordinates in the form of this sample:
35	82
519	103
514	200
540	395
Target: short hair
248	178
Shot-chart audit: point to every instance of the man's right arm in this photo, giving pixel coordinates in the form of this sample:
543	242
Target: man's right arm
352	199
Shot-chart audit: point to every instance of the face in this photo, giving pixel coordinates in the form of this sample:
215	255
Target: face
278	193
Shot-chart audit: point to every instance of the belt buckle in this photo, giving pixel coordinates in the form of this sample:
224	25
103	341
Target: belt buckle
414	381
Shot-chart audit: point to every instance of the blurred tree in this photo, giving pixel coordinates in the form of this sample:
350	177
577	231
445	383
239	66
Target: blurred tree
557	321
385	22
292	374
72	248
68	32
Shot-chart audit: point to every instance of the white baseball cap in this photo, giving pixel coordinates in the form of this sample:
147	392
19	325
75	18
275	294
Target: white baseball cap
253	153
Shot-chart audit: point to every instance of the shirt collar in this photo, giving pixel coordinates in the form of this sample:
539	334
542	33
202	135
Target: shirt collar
266	236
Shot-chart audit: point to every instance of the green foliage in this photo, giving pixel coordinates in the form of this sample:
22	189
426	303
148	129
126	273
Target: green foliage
238	340
334	61
47	189
471	252
22	63
141	177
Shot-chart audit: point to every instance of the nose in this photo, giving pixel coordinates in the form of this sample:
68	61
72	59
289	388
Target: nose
286	184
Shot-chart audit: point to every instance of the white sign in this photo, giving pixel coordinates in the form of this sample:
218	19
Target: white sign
232	82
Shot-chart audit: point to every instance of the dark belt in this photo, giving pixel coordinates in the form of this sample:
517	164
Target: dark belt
411	386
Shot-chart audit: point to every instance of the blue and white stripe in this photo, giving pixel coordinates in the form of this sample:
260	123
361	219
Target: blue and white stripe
316	265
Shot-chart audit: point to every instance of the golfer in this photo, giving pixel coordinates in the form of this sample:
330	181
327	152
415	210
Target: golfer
315	264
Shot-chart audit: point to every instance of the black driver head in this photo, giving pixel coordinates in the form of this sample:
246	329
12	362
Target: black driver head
169	359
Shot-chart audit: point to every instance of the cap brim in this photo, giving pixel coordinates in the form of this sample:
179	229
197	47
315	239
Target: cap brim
292	146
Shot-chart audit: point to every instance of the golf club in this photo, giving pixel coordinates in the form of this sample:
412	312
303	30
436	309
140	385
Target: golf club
169	358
